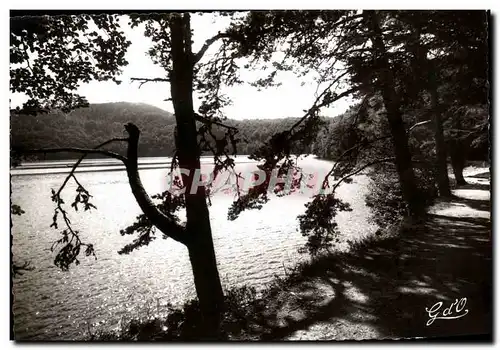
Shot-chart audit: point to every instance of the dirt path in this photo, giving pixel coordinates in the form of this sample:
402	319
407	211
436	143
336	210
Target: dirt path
383	290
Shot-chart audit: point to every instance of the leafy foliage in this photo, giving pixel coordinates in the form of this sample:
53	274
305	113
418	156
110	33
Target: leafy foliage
70	240
19	270
16	210
51	55
16	268
169	205
318	222
385	198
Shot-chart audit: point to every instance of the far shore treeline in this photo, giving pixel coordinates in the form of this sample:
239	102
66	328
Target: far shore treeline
99	122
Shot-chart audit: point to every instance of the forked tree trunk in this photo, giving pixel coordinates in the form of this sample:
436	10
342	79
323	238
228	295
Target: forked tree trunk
199	234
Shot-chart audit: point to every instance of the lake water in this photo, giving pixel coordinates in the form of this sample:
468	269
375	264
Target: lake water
50	304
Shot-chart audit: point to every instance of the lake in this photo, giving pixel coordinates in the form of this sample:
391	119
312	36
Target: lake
50	304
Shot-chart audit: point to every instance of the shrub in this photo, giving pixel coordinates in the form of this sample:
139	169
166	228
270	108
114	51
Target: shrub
385	197
183	323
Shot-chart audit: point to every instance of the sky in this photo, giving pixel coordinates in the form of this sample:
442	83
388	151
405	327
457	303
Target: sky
288	100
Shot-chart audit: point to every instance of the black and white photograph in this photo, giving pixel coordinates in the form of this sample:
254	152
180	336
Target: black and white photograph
250	175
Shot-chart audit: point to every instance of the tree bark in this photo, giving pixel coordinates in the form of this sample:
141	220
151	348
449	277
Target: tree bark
458	168
421	62
458	148
199	242
206	280
404	167
458	160
160	220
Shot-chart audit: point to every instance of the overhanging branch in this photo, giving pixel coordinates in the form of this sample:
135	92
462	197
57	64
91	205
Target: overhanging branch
345	153
339	182
208	122
149	80
197	57
76	150
317	106
166	224
77	163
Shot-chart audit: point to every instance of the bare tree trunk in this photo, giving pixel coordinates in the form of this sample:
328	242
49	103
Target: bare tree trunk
199	243
421	61
206	280
458	148
458	159
404	167
441	161
458	170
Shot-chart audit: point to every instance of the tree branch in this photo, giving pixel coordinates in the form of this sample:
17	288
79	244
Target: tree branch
418	124
345	153
149	80
207	121
164	223
197	57
76	150
187	33
77	163
339	182
316	106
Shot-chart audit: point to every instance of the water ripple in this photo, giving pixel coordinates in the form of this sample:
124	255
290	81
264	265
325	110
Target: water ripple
50	304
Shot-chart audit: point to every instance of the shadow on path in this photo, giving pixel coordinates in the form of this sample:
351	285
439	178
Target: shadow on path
382	290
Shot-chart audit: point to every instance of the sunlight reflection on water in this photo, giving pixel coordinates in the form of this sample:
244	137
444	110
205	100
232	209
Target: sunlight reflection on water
51	304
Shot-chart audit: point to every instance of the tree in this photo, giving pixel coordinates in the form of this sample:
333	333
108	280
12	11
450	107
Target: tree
351	52
185	71
87	47
418	45
345	48
60	52
377	55
386	80
194	132
464	84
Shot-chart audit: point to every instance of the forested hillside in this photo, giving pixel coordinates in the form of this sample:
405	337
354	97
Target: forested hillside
100	122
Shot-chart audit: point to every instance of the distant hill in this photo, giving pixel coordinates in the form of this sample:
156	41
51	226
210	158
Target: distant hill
87	127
